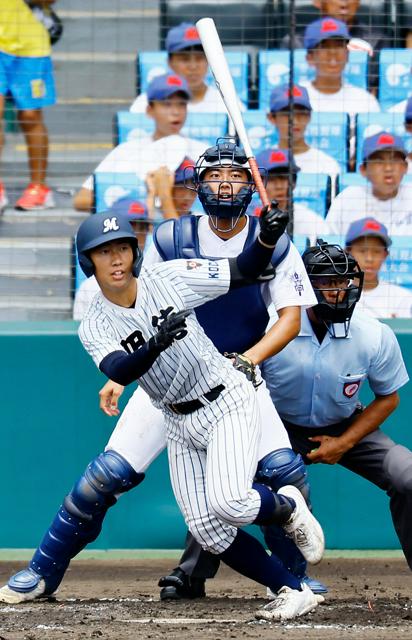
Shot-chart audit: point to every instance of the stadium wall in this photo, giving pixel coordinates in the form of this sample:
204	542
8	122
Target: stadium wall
52	427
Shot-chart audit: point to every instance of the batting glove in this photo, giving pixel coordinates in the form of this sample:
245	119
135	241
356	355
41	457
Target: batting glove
173	328
245	365
273	223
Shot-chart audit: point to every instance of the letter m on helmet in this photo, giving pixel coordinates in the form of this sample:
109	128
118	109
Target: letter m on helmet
110	224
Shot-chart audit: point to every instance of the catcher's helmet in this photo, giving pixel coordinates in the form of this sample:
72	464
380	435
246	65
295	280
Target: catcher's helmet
331	262
225	153
104	227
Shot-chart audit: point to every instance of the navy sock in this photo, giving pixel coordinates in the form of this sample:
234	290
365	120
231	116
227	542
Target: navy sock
247	556
274	507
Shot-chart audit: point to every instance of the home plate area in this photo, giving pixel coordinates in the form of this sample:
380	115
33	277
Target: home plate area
119	600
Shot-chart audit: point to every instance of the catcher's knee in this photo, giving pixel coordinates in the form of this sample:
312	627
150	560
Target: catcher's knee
105	477
398	468
282	467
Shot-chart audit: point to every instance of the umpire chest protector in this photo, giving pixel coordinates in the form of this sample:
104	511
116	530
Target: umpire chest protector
238	319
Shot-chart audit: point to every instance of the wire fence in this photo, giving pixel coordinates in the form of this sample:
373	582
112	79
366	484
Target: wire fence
324	88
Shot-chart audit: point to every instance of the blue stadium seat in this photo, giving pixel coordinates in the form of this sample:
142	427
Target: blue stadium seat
314	191
398	267
367	124
153	63
328	132
395	78
202	126
274	71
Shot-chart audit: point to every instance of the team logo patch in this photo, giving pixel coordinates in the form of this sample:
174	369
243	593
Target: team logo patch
350	388
296	279
192	264
110	224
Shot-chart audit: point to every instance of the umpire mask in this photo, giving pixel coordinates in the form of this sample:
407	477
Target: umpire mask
337	281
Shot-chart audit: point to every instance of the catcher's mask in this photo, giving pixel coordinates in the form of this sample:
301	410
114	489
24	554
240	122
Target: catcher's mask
337	281
100	228
222	202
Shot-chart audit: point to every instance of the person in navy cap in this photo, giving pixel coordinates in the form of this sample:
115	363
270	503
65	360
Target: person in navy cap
309	159
385	196
187	59
326	41
367	240
142	223
168	97
275	165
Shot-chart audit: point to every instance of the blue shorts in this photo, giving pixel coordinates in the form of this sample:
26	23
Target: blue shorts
28	80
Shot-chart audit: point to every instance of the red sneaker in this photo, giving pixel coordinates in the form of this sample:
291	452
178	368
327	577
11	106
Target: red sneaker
4	201
35	196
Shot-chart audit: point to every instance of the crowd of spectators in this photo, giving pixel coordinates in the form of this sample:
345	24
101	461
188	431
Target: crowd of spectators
382	192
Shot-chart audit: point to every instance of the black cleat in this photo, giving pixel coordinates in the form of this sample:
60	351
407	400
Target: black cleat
178	585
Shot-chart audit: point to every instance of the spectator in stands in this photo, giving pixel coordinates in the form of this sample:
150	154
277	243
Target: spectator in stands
172	193
168	97
187	59
384	197
368	242
142	224
276	166
26	73
346	10
326	43
308	159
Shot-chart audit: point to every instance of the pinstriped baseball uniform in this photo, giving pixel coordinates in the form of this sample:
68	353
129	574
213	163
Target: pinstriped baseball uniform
215	448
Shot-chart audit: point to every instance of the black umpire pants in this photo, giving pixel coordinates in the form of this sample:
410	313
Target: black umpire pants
376	458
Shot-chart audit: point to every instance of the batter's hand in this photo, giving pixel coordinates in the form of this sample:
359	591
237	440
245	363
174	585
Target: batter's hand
245	365
173	328
109	398
273	223
329	451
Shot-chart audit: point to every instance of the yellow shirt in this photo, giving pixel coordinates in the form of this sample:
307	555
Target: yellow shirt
21	34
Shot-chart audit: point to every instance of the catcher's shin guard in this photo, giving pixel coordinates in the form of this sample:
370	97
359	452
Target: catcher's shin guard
80	518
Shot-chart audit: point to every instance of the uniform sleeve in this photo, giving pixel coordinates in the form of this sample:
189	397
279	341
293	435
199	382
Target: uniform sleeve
98	338
291	287
387	371
197	280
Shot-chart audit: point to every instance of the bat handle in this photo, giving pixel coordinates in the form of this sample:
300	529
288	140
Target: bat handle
258	182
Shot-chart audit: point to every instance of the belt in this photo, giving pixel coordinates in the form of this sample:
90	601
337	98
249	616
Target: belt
184	408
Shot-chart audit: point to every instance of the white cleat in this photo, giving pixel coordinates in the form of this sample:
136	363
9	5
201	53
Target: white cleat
288	604
16	597
303	527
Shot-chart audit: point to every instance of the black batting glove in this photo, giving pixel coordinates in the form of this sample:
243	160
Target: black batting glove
173	328
273	223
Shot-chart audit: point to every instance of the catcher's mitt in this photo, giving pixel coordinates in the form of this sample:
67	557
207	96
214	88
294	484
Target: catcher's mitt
246	366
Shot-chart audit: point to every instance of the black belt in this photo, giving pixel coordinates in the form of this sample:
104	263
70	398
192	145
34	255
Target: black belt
184	408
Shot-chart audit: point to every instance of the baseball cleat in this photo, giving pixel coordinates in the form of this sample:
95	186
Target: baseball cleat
24	586
303	527
179	585
288	604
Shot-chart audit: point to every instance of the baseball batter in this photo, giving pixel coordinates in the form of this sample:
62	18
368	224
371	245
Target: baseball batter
291	283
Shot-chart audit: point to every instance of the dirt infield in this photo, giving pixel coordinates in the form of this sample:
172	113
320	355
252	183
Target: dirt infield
119	600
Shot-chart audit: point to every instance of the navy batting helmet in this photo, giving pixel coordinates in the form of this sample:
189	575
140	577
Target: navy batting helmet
340	273
104	227
225	153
